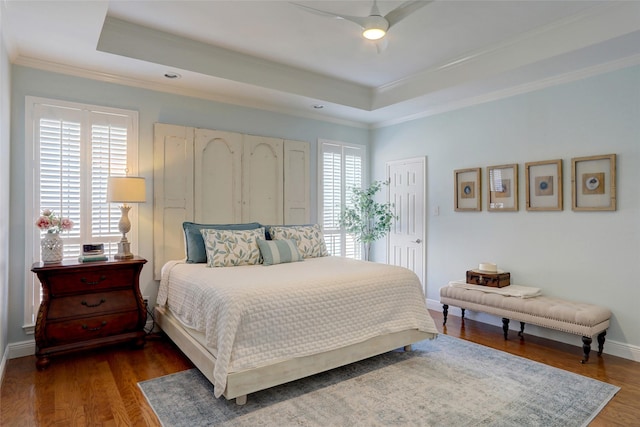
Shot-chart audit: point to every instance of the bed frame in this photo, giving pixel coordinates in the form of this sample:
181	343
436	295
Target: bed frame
240	384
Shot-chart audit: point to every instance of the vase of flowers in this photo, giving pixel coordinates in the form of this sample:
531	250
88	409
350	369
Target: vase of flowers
51	244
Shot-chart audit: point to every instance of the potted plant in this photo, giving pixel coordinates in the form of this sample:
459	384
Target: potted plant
365	218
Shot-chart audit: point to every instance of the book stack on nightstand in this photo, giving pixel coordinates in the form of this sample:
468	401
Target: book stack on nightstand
92	252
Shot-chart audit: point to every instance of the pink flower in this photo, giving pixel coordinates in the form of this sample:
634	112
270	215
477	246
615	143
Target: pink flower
52	223
66	224
43	223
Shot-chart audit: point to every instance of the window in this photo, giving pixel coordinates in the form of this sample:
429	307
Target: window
341	168
71	151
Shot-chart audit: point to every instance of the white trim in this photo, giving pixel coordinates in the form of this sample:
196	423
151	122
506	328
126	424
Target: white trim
615	348
258	104
3	364
532	86
31	253
199	93
21	349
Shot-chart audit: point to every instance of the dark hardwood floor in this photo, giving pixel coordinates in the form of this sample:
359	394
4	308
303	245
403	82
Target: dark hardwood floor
99	388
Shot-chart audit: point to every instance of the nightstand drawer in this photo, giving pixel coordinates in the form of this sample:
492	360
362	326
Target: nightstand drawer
92	304
91	280
91	327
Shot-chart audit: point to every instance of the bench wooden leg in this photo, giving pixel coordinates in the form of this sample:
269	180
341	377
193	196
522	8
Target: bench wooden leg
505	326
445	312
462	310
586	349
521	333
601	336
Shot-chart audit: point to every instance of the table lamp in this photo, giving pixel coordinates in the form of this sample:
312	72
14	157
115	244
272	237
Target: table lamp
125	189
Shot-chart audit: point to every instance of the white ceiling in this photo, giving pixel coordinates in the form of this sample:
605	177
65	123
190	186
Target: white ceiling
274	55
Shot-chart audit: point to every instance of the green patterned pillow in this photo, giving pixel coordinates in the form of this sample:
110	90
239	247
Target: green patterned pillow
279	251
230	248
309	238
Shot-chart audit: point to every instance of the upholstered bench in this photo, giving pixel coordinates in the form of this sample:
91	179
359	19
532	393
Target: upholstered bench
582	319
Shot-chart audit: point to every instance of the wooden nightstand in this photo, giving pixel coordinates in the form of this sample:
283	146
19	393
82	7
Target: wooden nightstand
88	305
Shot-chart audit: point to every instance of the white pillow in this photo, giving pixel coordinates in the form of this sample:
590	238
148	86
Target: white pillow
230	248
309	238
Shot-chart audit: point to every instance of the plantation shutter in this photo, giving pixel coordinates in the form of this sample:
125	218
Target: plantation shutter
108	158
74	149
342	169
60	157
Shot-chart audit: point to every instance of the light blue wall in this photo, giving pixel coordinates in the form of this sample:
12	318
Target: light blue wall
5	101
152	107
584	256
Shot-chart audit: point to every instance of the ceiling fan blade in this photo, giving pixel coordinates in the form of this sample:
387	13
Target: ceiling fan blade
404	10
381	45
355	19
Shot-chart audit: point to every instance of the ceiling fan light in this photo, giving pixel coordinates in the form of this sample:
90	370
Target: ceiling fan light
375	28
374	33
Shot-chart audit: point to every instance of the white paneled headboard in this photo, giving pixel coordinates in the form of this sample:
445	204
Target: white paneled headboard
216	177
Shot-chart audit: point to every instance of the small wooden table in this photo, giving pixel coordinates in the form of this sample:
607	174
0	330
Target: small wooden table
88	305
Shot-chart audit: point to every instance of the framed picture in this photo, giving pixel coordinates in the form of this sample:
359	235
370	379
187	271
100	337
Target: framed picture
502	188
593	183
467	192
544	185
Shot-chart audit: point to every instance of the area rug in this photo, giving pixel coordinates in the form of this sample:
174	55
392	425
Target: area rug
443	382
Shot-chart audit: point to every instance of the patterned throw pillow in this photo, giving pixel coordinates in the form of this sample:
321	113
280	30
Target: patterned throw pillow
279	251
230	248
194	243
309	238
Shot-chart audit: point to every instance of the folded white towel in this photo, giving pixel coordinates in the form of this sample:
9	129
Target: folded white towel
508	291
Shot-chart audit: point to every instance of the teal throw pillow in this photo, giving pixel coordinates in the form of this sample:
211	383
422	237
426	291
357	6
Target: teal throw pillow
279	251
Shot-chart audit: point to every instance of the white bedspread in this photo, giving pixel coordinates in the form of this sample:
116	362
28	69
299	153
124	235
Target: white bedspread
508	291
256	315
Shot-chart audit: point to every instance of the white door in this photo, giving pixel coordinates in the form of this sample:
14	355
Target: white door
406	241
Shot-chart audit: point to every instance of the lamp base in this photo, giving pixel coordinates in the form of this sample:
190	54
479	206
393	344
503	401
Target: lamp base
124	250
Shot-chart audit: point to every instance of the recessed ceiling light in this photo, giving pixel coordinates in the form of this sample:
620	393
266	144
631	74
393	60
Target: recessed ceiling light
172	75
318	106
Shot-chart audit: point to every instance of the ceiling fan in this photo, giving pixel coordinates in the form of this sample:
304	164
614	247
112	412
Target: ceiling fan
375	26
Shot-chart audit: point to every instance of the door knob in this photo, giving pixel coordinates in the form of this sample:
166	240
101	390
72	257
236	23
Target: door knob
416	241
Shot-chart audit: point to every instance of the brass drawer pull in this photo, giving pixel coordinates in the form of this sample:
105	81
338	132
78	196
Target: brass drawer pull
87	282
102	301
102	325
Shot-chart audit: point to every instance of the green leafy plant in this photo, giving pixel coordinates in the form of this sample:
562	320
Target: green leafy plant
365	218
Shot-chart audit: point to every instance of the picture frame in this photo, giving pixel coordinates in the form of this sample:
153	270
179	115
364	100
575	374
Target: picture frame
467	191
593	183
543	185
502	188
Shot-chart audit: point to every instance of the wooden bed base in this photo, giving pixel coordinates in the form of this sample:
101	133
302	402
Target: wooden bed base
240	384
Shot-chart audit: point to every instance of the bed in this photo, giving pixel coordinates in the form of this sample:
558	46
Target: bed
251	327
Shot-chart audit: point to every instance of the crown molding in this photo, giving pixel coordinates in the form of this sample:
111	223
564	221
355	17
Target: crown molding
193	93
533	86
595	25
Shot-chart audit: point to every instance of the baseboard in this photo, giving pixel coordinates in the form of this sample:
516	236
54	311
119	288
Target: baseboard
21	349
3	364
28	348
615	348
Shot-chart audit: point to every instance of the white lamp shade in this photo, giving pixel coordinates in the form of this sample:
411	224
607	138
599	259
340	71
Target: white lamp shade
126	189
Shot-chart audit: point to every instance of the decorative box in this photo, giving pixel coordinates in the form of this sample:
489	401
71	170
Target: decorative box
494	280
